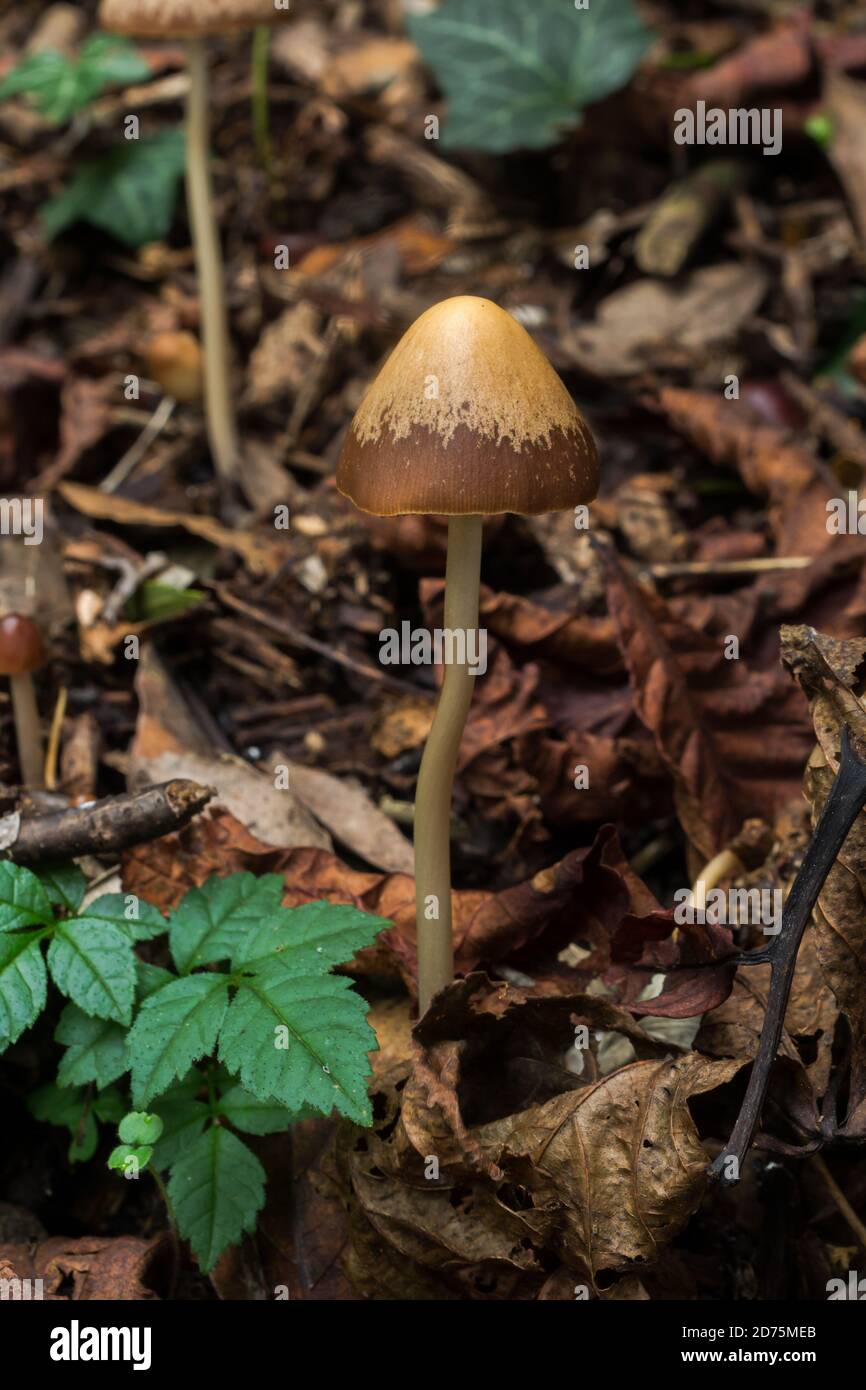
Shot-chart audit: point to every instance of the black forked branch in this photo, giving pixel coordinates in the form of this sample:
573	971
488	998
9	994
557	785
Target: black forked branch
846	798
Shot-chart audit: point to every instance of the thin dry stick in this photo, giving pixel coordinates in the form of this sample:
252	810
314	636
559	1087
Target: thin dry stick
54	739
222	432
845	1207
436	778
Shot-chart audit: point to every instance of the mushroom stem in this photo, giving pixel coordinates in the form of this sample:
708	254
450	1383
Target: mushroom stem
436	777
27	729
222	432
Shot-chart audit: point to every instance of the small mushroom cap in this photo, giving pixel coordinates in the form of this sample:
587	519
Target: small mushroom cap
467	416
188	18
21	648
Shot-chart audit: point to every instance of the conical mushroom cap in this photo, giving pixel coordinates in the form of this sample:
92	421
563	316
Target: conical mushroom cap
154	18
467	416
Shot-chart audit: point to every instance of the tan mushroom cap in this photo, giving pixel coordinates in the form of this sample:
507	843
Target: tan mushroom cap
155	18
467	416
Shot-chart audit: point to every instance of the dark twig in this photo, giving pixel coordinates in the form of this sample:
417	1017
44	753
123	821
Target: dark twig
846	798
110	825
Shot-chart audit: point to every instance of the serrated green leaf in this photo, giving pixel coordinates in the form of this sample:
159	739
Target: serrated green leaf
254	1116
139	919
138	1127
518	74
212	920
23	984
149	979
322	1023
216	1189
61	86
109	1106
184	1117
64	884
310	938
130	192
175	1026
93	964
23	900
95	1049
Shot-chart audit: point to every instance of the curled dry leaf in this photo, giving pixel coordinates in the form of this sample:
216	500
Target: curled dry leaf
91	1268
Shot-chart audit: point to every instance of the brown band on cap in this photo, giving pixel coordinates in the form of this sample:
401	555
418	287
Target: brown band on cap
421	473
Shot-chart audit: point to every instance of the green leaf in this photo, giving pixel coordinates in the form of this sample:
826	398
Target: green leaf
184	1117
137	1127
217	1188
149	979
129	1160
95	1049
140	920
69	1110
23	900
60	86
518	74
64	884
93	964
175	1026
300	1040
23	984
129	192
109	1106
310	938
255	1116
212	920
153	602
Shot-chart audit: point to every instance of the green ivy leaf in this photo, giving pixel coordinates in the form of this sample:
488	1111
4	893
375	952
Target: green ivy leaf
129	192
256	1116
95	1049
23	984
23	900
518	74
216	1189
323	1025
212	920
175	1026
64	884
140	920
92	963
61	86
311	938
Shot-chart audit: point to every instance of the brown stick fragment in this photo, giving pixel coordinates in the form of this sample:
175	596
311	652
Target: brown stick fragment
110	825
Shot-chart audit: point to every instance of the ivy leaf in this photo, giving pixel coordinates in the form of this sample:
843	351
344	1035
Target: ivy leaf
518	74
300	1040
23	900
140	920
23	984
95	1049
310	938
255	1116
175	1026
129	192
212	920
216	1189
184	1117
61	86
64	884
92	963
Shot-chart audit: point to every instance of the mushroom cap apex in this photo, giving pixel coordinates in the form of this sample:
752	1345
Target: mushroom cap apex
21	648
467	416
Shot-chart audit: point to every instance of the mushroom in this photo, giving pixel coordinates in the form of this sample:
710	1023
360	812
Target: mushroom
194	20
21	651
466	419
